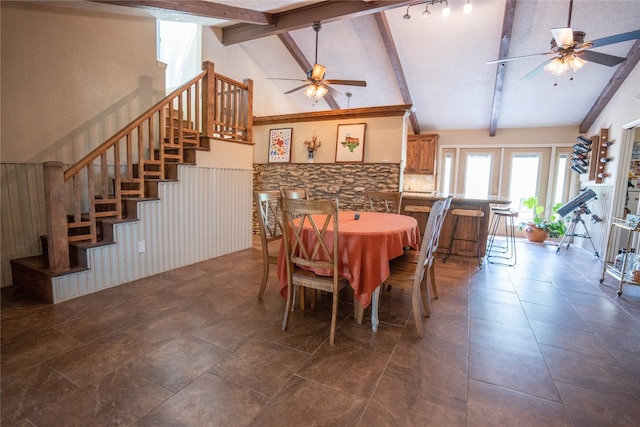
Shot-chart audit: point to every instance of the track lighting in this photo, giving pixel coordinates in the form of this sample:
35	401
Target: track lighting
446	10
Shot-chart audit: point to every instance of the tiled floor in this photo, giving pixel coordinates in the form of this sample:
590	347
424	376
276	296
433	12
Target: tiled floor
539	344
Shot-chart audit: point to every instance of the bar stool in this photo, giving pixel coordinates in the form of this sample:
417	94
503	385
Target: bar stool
413	209
492	223
470	213
507	252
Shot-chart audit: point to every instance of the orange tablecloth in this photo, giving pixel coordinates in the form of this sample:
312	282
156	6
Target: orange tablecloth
366	246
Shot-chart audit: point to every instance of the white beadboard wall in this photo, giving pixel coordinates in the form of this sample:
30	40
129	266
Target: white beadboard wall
206	214
22	213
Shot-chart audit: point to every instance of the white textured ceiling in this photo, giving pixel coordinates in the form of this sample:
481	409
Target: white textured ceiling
444	60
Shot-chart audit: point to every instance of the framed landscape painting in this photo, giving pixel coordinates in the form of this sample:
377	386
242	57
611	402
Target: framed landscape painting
280	145
350	144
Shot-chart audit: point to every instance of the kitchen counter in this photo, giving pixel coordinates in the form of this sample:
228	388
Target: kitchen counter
466	226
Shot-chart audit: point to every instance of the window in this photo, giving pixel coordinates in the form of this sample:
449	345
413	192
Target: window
477	175
523	181
179	48
447	171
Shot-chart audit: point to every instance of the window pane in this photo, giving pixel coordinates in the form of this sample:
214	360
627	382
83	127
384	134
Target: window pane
446	173
522	182
561	173
477	175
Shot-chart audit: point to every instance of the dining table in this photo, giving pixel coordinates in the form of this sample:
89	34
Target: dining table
367	241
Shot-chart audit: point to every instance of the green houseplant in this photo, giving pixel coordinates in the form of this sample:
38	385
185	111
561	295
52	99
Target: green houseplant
541	227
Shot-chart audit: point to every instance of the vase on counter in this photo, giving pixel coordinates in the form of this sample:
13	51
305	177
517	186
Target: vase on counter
310	158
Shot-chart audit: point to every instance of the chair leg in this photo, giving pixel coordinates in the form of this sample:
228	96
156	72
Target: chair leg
265	277
426	297
334	316
432	278
288	306
451	239
415	297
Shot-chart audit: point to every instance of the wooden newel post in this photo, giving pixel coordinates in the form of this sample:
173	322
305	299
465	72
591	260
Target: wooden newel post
208	98
249	105
58	240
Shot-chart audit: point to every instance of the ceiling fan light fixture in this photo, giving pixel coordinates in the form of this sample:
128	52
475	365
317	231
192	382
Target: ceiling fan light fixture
467	7
426	11
317	73
321	91
575	62
310	91
556	67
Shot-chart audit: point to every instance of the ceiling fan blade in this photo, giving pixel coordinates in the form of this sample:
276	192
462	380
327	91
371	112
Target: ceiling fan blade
536	70
293	80
347	82
631	35
296	89
332	91
516	58
562	36
601	58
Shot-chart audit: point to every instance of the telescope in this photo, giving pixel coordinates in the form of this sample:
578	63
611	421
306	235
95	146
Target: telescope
576	202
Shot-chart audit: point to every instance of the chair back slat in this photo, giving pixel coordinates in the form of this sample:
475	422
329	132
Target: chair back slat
382	201
312	217
294	193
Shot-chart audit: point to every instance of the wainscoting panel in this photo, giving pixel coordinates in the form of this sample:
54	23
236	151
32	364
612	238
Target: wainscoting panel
205	215
22	218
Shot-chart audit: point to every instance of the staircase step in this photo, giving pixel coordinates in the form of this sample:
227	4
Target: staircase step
32	275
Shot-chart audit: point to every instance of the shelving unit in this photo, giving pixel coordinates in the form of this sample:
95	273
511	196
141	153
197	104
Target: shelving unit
617	226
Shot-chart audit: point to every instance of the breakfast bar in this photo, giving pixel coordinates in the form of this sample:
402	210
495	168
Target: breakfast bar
466	227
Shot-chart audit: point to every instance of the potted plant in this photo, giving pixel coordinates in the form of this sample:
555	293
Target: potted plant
539	228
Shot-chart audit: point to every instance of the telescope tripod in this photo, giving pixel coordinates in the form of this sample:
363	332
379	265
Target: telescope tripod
571	232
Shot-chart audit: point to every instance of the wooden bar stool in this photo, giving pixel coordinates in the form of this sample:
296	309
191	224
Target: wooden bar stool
413	209
507	252
469	213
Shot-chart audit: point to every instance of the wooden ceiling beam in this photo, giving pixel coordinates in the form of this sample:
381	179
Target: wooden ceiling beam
302	17
621	74
505	40
351	113
201	8
304	63
394	58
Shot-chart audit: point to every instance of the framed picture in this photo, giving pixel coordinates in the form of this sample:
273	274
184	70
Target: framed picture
350	144
280	145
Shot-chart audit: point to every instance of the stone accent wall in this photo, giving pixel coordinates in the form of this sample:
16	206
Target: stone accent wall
347	182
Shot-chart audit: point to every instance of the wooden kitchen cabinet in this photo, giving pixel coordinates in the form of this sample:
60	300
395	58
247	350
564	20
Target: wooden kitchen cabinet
421	154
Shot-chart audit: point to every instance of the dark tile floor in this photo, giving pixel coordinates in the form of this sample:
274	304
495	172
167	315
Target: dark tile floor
541	343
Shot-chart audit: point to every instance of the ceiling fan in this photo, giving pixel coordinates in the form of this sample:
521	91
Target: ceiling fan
570	51
316	85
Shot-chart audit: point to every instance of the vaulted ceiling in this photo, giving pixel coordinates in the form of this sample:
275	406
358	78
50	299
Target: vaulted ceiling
438	64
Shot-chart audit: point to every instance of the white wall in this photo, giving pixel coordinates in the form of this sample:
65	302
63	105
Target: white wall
71	79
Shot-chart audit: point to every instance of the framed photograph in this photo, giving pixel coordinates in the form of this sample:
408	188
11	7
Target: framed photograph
350	145
280	145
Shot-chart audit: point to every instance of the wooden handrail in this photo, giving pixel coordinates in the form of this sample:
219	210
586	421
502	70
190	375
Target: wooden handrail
146	150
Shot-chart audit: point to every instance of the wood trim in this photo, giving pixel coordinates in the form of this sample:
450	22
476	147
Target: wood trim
505	40
351	113
612	87
394	58
295	19
201	8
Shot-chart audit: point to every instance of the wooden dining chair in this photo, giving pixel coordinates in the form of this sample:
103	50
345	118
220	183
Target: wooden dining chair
305	224
382	201
411	275
412	255
295	193
270	222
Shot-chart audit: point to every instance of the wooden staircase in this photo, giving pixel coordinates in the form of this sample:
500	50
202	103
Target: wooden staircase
85	202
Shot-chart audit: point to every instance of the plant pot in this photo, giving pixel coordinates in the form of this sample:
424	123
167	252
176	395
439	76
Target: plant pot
534	234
